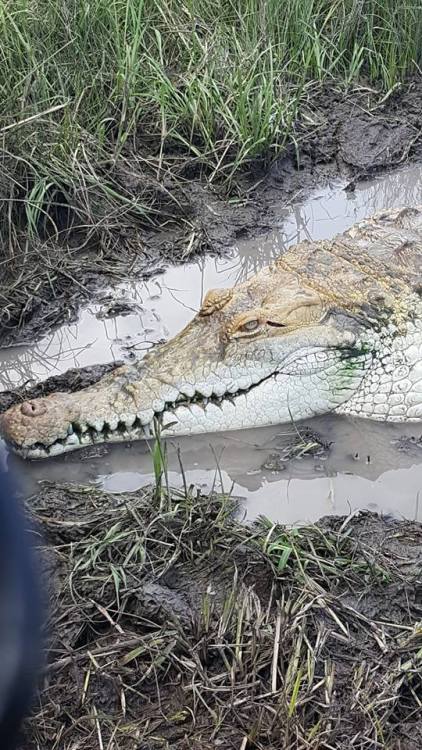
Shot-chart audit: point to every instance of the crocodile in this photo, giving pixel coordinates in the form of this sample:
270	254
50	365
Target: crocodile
330	326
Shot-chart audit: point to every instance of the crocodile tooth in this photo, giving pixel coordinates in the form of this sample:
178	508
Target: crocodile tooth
196	410
244	383
183	405
96	424
129	419
147	430
158	405
170	394
205	389
112	423
37	453
72	439
145	417
188	390
70	430
56	449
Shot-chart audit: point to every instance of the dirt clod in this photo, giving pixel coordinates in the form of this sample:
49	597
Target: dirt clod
303	442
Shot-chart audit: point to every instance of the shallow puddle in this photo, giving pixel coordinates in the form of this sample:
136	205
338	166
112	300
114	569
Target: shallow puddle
368	465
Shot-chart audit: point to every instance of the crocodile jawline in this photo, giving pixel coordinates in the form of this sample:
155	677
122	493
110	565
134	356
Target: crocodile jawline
84	436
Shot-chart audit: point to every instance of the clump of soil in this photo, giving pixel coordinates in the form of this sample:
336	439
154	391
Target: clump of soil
171	625
352	135
303	442
410	444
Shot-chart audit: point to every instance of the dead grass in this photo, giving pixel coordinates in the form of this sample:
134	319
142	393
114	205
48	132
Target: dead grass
172	625
46	274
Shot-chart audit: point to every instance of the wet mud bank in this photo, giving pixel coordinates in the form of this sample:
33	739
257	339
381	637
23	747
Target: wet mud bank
171	625
352	136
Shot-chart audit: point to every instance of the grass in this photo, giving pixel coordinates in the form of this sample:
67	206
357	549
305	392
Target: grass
102	99
108	108
174	626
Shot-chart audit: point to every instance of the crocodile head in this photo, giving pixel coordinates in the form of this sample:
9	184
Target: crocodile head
271	350
331	326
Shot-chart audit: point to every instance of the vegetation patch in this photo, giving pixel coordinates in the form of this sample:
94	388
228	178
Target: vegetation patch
301	442
172	625
111	109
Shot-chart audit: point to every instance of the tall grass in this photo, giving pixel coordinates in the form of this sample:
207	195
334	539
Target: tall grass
85	82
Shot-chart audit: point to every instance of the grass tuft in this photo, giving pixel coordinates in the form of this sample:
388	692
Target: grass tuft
81	80
174	626
107	106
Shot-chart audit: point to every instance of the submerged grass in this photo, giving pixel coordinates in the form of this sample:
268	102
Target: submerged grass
174	626
106	105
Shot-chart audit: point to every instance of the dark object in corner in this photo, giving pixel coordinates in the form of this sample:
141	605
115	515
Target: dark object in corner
20	617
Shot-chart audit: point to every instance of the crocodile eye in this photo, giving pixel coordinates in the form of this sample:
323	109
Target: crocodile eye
249	326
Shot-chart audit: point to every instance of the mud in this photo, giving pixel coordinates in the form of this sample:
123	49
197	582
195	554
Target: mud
304	442
172	626
351	136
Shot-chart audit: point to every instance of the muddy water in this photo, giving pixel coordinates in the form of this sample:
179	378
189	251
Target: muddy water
368	465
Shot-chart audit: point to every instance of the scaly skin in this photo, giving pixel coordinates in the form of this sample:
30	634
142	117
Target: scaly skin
330	327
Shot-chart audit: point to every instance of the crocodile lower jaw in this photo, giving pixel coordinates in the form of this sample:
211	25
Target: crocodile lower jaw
80	439
82	436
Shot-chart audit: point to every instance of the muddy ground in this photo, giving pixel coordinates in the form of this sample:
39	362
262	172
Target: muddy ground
172	625
351	135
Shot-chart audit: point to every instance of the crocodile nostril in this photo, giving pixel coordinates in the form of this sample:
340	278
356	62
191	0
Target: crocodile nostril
33	408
